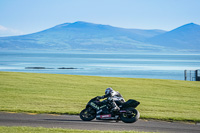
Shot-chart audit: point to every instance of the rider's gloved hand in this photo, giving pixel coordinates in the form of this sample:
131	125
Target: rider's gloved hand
99	97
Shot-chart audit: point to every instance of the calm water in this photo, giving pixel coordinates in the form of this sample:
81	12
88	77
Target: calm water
102	64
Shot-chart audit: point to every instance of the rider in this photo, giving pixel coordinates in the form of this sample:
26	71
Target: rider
112	97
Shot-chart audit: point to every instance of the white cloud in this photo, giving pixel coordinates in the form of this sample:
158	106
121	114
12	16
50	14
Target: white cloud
5	31
2	28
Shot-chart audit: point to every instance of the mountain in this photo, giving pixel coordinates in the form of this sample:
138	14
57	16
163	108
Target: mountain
83	36
88	36
184	37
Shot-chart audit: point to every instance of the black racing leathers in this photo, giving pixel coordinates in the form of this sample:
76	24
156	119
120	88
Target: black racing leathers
111	101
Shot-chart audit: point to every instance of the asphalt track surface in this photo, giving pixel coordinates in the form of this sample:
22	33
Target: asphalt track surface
74	122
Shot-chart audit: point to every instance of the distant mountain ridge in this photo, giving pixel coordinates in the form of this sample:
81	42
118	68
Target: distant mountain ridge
88	36
184	37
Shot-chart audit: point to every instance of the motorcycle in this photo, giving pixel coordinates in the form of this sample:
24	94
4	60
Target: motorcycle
102	111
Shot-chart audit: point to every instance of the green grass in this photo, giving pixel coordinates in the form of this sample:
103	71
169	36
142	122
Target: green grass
4	129
58	93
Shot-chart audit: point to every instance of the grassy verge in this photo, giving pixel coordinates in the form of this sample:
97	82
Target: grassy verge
54	130
57	93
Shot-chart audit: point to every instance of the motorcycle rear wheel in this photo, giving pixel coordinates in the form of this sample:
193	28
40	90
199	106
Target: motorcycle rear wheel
87	114
132	115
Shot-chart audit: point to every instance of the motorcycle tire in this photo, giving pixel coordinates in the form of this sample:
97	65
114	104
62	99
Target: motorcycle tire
87	115
132	115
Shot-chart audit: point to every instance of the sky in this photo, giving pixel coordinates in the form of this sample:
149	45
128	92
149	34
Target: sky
19	17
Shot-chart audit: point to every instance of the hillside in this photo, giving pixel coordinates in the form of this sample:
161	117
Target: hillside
51	93
88	36
83	35
184	37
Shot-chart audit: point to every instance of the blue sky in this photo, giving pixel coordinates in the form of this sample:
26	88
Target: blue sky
29	16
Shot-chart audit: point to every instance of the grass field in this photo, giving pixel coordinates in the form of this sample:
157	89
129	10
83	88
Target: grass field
58	93
55	130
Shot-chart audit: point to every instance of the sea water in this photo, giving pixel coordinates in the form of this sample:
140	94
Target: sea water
131	65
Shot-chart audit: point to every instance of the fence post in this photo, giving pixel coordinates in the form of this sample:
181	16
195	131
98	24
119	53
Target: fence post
185	73
195	75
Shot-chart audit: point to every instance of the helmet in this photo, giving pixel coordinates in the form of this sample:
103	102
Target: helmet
108	90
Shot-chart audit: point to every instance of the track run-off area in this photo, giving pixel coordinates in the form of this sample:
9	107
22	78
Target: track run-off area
74	122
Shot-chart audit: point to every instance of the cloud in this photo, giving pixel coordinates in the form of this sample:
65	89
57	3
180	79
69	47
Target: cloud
5	31
2	28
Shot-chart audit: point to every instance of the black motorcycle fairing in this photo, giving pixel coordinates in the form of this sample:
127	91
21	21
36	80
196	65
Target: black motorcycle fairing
130	103
93	103
99	106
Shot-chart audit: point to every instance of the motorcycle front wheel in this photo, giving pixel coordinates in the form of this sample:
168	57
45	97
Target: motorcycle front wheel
87	114
131	115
